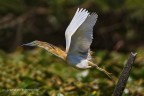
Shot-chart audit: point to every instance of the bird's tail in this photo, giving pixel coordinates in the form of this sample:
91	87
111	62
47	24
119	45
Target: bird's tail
100	69
49	47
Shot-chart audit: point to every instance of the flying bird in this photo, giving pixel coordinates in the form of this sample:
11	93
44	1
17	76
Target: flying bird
78	35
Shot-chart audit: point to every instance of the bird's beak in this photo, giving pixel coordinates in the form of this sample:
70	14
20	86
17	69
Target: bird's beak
29	44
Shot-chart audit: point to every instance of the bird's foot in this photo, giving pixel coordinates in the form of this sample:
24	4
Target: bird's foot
100	69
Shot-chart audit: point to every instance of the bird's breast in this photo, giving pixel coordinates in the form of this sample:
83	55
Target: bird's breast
77	61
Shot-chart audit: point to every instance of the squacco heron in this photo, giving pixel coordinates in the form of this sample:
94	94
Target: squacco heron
79	35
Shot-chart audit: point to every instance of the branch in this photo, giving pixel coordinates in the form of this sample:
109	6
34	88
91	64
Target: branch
124	76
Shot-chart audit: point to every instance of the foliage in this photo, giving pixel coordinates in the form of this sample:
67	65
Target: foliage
119	30
38	73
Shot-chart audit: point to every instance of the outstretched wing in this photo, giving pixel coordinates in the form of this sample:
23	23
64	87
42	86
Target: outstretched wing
49	47
78	19
82	39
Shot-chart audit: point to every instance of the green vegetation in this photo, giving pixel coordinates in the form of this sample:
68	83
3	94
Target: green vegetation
46	75
24	72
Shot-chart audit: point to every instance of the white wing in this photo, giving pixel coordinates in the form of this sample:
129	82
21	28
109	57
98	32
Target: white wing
81	41
78	19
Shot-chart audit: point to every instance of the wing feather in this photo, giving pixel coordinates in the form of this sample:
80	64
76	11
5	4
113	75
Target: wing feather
78	19
81	40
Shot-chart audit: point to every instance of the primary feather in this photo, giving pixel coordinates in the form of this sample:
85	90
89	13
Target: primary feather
78	19
79	50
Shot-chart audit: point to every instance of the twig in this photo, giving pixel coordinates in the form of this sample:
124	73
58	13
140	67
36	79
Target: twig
118	91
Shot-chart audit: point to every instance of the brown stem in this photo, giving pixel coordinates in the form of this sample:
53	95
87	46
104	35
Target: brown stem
118	91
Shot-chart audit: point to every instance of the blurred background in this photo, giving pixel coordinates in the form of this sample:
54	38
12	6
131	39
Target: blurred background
118	31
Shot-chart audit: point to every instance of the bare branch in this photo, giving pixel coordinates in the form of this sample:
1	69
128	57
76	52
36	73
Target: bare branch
118	91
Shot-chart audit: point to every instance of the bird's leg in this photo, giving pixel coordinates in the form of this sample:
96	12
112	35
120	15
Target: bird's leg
100	69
